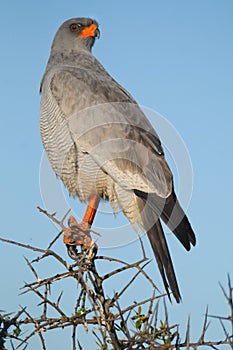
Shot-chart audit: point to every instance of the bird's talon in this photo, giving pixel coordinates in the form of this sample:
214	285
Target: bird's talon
72	251
86	253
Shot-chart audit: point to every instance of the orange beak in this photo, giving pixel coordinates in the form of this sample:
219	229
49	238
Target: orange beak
92	30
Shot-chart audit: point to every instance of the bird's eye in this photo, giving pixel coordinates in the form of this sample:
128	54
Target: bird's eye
74	27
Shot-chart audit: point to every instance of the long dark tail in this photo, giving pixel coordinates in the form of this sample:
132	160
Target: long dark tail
174	217
163	258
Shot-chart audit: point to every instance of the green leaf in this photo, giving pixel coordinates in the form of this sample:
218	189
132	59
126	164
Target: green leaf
17	331
122	325
135	317
138	324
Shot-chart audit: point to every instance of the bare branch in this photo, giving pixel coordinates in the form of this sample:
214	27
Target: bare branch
136	326
187	337
27	246
204	328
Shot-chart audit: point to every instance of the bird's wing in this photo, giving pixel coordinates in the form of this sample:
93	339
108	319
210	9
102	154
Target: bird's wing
98	118
104	121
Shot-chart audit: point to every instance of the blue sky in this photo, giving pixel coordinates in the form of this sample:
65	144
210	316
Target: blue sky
174	58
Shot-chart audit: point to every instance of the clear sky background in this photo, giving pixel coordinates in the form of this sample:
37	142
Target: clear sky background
174	57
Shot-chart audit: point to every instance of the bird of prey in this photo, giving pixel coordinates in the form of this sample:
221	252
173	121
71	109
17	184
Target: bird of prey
102	146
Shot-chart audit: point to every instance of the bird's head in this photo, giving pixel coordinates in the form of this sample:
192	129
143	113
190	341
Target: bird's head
75	34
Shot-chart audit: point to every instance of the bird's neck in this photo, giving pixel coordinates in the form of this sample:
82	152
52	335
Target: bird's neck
81	58
82	43
85	43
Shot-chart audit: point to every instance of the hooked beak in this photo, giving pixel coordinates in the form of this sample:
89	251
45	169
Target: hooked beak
97	33
92	31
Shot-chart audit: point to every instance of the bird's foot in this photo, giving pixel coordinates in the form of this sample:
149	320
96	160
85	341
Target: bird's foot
78	235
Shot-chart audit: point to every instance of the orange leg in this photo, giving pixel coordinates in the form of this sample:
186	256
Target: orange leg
91	210
79	234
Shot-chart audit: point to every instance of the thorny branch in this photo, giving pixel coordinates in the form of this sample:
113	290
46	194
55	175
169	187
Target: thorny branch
114	327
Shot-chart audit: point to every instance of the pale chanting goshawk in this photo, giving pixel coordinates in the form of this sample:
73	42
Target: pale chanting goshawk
102	146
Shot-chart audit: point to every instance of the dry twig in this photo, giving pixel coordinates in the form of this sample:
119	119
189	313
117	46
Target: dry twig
113	326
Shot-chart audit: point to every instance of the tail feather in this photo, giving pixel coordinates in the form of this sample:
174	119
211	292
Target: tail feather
163	258
175	218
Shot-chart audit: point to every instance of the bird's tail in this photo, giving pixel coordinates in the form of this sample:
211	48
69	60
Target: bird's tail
151	209
163	258
175	218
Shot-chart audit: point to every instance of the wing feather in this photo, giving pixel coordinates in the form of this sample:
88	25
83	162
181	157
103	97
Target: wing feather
106	123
